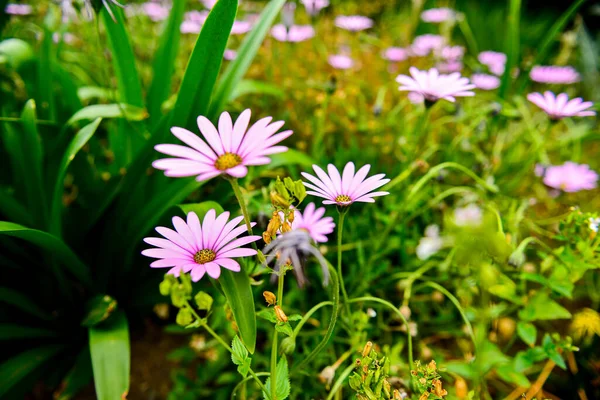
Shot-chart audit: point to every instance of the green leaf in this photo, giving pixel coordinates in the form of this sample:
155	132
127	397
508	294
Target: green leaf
247	87
527	332
290	157
247	51
15	369
268	314
282	386
53	245
80	139
542	307
77	378
507	373
284	328
239	356
44	96
98	309
11	207
22	302
237	289
512	49
164	61
201	208
17	52
204	63
130	112
14	331
110	351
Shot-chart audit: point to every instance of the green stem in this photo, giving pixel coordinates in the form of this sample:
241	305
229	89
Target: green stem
338	383
243	381
308	315
397	312
240	198
339	254
274	345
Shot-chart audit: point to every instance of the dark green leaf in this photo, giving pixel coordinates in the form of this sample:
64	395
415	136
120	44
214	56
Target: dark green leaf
44	96
77	378
17	52
237	289
268	314
507	373
284	328
22	302
542	307
527	332
14	331
282	386
110	351
98	309
201	208
18	367
239	356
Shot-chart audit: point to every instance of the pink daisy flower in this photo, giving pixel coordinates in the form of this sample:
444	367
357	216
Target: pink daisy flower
155	11
240	27
340	61
229	54
395	54
450	66
200	248
489	57
485	81
18	9
311	220
295	33
570	177
209	3
434	86
353	23
425	44
554	74
314	6
230	149
560	106
196	16
452	52
437	15
190	27
345	189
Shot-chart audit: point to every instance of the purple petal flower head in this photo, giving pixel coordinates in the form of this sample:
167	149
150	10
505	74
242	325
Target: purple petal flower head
196	16
345	189
450	66
18	9
229	54
340	61
313	7
312	221
452	52
230	149
554	74
155	11
200	248
415	98
295	34
558	107
489	57
434	86
570	177
353	23
485	81
395	54
437	15
240	27
190	27
209	4
425	44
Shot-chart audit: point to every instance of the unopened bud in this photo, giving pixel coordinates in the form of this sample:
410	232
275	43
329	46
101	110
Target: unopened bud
184	317
267	237
203	300
462	390
397	395
367	349
290	217
280	314
270	298
326	376
274	224
279	201
432	366
286	227
405	311
437	388
288	345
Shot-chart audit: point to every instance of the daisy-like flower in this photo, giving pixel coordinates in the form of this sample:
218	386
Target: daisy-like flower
196	16
314	6
240	27
208	3
452	52
437	15
554	74
395	54
570	177
434	86
190	27
155	11
200	248
18	9
340	61
425	44
294	34
230	149
353	23
450	66
560	106
229	54
345	189
489	57
485	81
312	221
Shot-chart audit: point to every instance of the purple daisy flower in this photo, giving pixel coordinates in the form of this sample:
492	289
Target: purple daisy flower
311	220
560	106
554	74
437	15
240	27
200	248
314	6
485	81
425	44
395	54
18	9
230	149
434	86
340	61
295	33
345	189
570	177
353	23
155	11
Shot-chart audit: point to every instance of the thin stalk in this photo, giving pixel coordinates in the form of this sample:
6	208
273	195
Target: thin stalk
240	198
338	383
308	315
339	254
274	345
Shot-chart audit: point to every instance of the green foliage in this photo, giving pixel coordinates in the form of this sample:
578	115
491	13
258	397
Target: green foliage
282	386
239	356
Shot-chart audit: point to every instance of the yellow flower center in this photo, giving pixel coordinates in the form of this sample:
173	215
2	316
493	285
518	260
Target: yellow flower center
342	198
228	160
204	256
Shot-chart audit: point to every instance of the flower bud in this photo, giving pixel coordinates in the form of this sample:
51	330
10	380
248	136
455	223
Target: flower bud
286	227
462	391
184	317
203	301
274	224
367	349
290	217
280	314
326	376
267	237
288	345
165	287
270	298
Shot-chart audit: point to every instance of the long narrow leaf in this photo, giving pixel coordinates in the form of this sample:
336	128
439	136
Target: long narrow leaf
14	210
164	61
18	332
237	289
78	377
512	45
109	347
54	245
44	97
80	139
246	53
23	303
15	369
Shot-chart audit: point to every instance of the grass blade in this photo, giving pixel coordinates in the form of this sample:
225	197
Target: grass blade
23	303
237	69
44	97
110	351
80	139
10	207
78	377
18	332
237	289
512	46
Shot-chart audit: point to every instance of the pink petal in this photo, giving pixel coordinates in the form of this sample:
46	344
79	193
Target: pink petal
239	129
210	134
209	220
213	269
228	263
198	272
194	141
241	252
239	171
226	130
238	243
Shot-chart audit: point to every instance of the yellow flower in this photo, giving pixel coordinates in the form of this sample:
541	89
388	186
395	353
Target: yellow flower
585	323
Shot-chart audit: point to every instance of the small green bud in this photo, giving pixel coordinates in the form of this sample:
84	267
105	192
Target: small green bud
355	381
299	191
177	296
288	345
186	280
165	287
204	301
289	184
184	317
